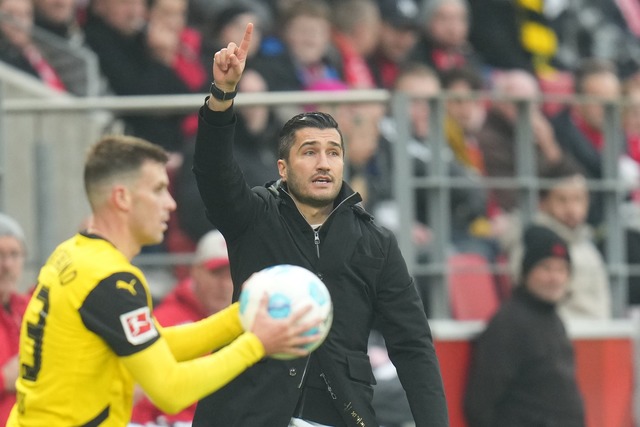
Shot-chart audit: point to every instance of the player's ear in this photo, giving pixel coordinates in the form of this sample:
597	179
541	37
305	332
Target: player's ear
121	197
282	169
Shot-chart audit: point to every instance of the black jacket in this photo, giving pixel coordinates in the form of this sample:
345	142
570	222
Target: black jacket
523	370
363	268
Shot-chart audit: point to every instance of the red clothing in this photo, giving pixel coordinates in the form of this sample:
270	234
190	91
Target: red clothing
10	321
178	307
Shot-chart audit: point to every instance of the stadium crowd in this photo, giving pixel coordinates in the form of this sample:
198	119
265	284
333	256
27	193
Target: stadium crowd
509	49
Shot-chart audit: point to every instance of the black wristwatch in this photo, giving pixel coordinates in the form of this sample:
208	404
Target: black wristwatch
221	95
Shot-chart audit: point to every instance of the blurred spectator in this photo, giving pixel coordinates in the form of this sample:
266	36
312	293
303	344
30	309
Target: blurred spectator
59	17
523	368
563	208
444	40
132	60
305	30
17	46
497	138
206	291
468	202
513	34
355	34
178	46
580	126
255	150
12	255
601	29
465	115
227	24
399	29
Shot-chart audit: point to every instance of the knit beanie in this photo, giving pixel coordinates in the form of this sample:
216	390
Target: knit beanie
10	227
540	243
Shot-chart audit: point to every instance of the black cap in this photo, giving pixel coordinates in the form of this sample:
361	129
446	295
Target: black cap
400	13
541	243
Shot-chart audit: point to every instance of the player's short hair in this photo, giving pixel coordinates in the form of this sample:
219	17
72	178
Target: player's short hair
313	119
118	156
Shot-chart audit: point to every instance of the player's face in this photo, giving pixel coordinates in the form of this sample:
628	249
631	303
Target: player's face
549	279
151	204
313	172
11	264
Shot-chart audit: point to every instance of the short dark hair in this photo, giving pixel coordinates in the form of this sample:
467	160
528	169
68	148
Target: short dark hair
565	168
313	119
589	67
115	155
468	75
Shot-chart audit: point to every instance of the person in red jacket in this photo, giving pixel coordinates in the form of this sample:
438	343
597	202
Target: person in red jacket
12	253
207	290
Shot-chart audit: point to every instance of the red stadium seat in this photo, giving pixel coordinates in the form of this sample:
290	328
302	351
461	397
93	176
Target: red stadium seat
472	289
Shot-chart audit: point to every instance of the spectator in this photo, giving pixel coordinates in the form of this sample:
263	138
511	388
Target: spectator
563	209
523	369
206	291
444	40
513	35
59	17
227	24
398	35
12	254
17	46
311	218
468	203
305	30
497	137
355	34
133	64
465	115
580	126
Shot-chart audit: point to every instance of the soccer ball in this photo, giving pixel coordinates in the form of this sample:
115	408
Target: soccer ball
289	288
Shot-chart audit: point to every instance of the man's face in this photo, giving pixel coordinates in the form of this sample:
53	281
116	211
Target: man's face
214	288
150	204
126	16
464	111
549	279
314	170
396	44
59	11
603	87
568	202
449	26
308	38
11	264
18	23
419	111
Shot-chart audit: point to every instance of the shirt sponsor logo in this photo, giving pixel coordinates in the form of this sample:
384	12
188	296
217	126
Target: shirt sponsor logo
138	326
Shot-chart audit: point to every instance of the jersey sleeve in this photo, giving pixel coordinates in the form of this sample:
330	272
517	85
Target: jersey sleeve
117	310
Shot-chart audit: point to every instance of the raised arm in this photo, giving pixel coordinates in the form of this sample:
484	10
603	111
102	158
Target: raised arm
228	65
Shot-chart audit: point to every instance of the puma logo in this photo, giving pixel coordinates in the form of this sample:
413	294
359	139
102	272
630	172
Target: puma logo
121	284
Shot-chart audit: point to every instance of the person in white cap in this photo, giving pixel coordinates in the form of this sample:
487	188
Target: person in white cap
12	254
206	291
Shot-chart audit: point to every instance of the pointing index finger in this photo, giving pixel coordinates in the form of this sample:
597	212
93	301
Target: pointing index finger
246	42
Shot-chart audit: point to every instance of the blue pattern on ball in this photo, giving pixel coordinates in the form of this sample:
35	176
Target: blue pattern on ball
244	301
279	306
316	294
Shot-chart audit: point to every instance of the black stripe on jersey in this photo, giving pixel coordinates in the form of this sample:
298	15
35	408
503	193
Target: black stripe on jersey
103	310
98	419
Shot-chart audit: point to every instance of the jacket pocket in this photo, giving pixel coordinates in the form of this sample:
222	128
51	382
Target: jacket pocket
359	368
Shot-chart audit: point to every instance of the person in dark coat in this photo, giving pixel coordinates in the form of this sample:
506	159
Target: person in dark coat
523	370
311	218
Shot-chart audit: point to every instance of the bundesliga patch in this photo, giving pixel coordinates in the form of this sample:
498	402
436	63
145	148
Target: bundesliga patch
138	326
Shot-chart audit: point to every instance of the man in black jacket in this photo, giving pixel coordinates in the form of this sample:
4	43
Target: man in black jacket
311	218
523	370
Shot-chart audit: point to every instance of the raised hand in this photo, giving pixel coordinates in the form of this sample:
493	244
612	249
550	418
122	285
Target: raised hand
229	62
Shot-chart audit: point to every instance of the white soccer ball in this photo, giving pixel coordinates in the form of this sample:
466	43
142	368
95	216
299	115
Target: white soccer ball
289	288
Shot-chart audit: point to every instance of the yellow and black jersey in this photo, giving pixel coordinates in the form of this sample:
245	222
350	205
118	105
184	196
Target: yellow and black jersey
88	334
91	305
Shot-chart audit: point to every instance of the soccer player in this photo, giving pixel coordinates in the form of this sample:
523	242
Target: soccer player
88	333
